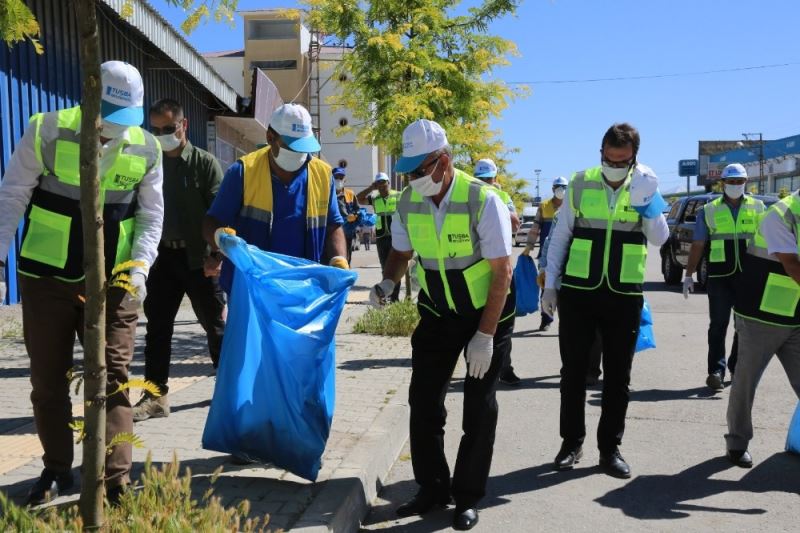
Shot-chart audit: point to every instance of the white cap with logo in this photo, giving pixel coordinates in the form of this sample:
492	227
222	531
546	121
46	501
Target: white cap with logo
420	138
381	176
122	101
293	123
485	169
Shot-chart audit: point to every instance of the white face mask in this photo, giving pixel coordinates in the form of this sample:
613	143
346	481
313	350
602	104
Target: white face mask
425	185
168	142
289	160
559	193
111	130
734	191
615	174
339	184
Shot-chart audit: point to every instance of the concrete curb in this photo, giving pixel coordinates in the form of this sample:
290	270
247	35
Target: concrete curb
346	497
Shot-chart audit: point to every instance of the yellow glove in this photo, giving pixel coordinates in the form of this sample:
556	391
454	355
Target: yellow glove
540	279
339	262
352	218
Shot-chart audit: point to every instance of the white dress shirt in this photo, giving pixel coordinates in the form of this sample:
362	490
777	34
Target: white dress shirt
655	231
494	227
22	177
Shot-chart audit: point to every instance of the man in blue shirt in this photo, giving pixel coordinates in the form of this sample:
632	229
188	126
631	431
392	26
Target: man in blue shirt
280	198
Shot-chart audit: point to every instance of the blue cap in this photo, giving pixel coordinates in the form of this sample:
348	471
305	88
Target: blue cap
339	171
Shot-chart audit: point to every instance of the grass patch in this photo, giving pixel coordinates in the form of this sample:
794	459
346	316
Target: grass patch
395	320
10	328
163	502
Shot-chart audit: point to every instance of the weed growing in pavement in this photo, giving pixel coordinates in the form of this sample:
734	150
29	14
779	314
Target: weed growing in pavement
162	501
10	328
395	320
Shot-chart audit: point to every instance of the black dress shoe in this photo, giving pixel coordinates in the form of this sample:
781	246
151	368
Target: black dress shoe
614	465
466	519
510	378
740	458
423	502
567	457
49	485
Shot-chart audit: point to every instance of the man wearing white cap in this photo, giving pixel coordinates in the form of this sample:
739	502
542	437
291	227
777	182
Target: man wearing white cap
597	254
280	198
43	182
486	170
727	223
461	232
383	199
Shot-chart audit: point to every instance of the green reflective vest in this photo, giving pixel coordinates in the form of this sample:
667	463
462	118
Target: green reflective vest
608	247
52	243
765	292
453	275
728	238
385	207
504	196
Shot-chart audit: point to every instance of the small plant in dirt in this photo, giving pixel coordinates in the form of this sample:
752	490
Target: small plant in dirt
162	501
394	320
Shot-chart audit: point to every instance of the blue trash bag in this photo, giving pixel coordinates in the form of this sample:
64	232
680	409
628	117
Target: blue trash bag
274	396
527	291
646	339
793	438
363	219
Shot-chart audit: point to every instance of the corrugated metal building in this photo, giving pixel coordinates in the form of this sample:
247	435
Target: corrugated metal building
170	67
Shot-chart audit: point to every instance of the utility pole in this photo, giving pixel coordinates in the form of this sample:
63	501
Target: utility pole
537	171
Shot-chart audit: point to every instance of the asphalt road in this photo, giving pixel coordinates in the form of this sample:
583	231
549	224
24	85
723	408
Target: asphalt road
673	442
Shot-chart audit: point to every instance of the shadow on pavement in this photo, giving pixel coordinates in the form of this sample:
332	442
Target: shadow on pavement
368	364
18	425
663	496
540	382
529	480
534	333
661	395
384	518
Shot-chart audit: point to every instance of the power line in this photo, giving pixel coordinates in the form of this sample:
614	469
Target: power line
655	76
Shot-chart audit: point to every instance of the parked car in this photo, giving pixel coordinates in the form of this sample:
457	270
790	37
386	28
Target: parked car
521	236
681	219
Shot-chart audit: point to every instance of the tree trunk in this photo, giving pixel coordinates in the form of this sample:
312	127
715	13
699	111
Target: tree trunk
94	343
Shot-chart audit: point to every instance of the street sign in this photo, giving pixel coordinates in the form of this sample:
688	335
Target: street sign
688	167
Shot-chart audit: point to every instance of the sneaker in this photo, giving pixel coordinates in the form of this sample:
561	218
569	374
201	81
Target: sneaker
714	382
151	407
49	485
510	378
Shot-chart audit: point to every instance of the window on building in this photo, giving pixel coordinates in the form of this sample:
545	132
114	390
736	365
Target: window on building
281	64
343	163
343	122
261	30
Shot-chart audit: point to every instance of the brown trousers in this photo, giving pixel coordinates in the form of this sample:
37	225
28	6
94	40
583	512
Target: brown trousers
52	314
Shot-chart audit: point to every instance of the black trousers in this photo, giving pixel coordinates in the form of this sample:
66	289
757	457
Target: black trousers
169	280
721	297
384	247
581	315
436	345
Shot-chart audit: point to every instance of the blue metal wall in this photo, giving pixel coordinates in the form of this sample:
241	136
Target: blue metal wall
30	83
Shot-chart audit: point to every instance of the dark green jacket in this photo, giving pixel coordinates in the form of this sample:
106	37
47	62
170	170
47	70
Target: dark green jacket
197	180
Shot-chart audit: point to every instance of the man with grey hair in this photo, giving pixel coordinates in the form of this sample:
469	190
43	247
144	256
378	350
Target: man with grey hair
461	233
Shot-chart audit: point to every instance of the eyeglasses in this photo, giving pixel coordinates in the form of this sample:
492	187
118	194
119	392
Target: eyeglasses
618	164
421	171
166	130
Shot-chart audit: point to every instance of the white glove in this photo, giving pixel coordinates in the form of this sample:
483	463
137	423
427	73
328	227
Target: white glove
139	283
380	293
644	184
549	302
688	286
479	354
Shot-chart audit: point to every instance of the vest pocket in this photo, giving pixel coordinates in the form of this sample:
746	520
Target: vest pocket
717	252
781	295
634	257
478	278
47	240
125	240
580	253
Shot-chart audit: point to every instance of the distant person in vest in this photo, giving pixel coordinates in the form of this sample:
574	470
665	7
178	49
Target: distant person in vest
486	171
597	255
727	223
280	198
348	208
461	232
191	180
43	182
767	317
541	229
383	199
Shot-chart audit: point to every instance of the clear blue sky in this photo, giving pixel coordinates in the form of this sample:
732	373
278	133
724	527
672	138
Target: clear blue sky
558	127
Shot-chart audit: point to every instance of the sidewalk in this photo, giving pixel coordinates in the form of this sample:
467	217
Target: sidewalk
370	424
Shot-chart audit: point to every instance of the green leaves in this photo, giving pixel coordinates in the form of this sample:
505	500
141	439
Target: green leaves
17	24
200	12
